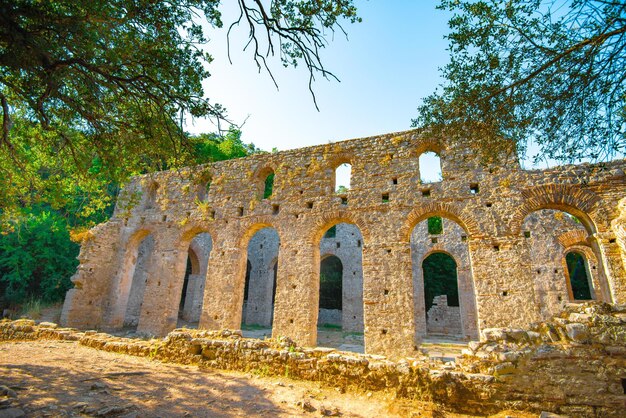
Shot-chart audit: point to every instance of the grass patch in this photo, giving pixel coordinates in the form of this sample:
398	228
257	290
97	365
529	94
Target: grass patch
330	326
32	309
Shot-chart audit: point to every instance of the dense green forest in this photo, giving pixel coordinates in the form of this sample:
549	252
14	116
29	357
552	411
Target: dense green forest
40	241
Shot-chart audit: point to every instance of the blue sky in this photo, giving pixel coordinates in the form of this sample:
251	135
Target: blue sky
388	63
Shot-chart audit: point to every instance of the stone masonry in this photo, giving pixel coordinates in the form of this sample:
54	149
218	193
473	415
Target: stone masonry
510	264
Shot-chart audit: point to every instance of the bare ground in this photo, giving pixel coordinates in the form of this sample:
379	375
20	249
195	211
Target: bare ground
64	379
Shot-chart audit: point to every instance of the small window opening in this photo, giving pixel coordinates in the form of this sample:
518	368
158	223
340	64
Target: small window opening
301	191
151	197
203	191
394	180
612	240
526	234
344	201
240	210
343	174
489	204
426	193
505	293
624	385
331	232
269	186
213	214
430	168
358	243
309	205
338	245
463	238
384	332
164	218
386	292
577	272
496	248
275	209
434	240
474	188
385	197
388	251
435	225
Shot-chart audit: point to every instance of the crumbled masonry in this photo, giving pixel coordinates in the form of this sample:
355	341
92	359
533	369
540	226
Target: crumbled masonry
573	365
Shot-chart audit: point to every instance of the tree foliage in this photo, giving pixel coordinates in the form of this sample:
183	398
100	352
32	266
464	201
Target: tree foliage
37	259
440	278
548	71
102	88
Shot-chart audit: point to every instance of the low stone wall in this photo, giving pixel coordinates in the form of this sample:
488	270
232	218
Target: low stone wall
574	365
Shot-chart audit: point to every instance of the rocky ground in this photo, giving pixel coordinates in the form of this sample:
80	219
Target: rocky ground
64	379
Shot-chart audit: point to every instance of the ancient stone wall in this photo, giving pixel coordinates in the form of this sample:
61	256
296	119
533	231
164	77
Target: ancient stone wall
386	201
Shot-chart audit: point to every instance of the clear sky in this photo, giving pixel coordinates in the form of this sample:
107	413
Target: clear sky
388	63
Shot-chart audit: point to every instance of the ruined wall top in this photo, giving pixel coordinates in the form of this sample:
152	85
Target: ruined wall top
385	174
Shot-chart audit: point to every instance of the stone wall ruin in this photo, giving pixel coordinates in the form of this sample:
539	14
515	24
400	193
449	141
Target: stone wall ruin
508	230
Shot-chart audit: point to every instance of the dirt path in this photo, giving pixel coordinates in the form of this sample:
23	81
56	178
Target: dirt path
59	378
65	379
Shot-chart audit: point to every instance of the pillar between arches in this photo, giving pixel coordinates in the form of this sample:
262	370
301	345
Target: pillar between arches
388	299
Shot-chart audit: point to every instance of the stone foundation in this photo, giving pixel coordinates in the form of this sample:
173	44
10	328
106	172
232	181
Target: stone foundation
574	365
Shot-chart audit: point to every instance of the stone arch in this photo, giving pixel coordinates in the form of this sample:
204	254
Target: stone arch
188	290
581	203
428	144
444	210
264	175
574	237
126	278
592	272
549	234
262	252
588	285
462	320
328	219
349	312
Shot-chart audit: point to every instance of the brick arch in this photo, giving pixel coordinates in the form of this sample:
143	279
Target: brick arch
576	201
443	209
328	219
423	144
253	225
439	249
190	232
574	237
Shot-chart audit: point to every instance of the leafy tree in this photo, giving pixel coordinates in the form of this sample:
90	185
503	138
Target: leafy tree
101	88
548	71
37	259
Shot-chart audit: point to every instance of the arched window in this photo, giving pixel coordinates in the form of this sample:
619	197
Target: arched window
151	192
343	174
268	185
430	167
203	191
578	275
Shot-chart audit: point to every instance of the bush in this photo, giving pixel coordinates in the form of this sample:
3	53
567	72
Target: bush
37	258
